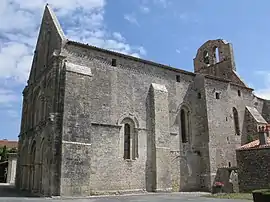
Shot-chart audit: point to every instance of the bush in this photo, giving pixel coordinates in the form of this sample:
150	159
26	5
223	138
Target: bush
261	195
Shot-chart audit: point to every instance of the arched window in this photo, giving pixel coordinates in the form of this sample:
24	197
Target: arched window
127	141
130	139
206	58
236	121
184	119
216	51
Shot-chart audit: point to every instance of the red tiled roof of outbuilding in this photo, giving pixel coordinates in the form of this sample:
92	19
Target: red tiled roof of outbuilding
255	145
9	143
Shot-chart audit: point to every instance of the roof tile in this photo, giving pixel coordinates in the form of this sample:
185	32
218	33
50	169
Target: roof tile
255	145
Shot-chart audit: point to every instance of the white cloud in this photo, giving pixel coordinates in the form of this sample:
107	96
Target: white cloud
141	50
145	9
14	61
7	97
118	36
131	18
183	16
178	51
82	20
263	92
163	3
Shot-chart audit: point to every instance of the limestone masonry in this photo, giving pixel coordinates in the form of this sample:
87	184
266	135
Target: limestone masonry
96	121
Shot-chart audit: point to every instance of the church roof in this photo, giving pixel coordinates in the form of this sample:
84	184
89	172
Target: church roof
256	115
83	45
255	145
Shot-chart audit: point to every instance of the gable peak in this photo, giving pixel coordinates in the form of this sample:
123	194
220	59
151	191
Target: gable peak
49	12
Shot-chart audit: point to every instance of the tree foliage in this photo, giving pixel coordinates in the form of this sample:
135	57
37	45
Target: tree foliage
4	153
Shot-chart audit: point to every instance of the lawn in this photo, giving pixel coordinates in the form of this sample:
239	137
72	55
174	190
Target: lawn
246	196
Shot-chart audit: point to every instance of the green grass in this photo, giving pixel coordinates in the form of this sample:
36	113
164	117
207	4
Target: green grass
265	191
245	196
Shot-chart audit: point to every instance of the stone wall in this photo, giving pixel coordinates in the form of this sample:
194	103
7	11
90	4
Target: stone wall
110	94
222	136
40	136
266	110
253	169
77	103
211	53
12	165
100	94
223	139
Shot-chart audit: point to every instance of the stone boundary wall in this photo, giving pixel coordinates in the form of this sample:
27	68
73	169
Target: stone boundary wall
253	169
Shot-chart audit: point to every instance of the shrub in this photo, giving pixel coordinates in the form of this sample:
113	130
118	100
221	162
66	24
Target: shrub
261	195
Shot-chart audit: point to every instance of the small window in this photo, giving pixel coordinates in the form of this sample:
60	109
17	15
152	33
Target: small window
239	93
130	140
114	62
236	121
230	164
127	141
184	119
178	78
199	95
226	118
217	95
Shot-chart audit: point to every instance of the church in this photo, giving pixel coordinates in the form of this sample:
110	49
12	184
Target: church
96	121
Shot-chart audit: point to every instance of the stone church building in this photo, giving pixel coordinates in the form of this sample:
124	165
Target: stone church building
96	121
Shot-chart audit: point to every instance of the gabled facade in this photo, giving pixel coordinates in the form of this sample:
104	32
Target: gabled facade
96	121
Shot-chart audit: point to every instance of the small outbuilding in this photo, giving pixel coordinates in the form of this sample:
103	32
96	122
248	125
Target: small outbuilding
253	161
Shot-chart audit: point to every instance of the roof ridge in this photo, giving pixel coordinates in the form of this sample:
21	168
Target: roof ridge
130	57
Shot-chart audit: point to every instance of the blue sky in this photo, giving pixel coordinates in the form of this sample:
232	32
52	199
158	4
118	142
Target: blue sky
165	31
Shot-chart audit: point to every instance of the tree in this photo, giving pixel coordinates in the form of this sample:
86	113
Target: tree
13	150
4	153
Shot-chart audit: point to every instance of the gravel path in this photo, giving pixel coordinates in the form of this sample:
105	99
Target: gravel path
8	193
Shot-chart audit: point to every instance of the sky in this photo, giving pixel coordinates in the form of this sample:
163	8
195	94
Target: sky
164	31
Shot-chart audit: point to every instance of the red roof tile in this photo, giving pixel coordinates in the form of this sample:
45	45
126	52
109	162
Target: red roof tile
255	145
9	144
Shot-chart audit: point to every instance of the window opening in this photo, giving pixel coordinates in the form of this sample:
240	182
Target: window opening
236	121
127	141
199	95
177	78
217	95
183	125
206	58
216	54
114	62
239	93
